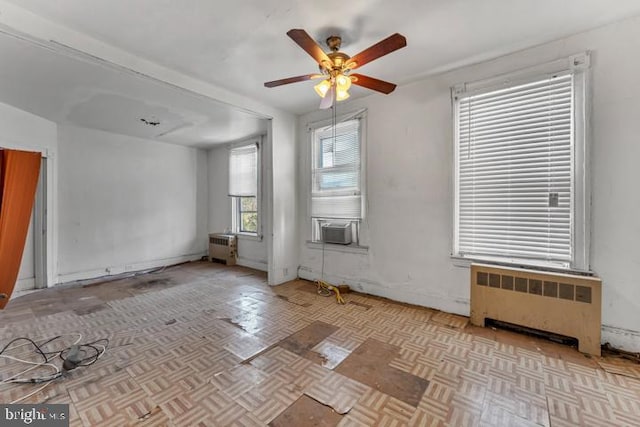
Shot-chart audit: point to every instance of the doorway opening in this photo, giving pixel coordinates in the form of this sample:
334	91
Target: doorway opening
33	268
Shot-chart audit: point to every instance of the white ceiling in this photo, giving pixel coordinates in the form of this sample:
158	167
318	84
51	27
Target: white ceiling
239	45
69	90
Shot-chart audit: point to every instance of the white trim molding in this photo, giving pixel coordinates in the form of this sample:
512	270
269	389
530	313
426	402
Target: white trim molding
622	339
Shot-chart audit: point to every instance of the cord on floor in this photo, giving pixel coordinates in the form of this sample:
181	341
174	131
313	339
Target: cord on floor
73	356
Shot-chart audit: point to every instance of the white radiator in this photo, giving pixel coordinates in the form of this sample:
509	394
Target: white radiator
222	248
563	304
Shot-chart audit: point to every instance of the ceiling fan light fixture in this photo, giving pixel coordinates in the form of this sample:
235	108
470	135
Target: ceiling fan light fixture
322	88
343	83
341	95
335	66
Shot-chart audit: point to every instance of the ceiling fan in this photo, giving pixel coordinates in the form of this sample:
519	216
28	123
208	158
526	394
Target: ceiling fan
336	66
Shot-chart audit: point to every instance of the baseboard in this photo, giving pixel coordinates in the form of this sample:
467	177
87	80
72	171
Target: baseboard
434	300
622	339
25	284
252	263
115	270
282	275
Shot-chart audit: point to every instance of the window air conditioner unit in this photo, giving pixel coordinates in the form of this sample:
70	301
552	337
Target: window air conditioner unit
336	233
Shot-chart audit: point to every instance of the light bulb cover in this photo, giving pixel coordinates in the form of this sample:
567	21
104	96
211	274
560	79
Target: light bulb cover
341	95
322	88
343	83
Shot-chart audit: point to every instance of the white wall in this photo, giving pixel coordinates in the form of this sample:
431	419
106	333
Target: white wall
219	200
282	170
410	185
127	203
24	131
252	252
277	252
281	236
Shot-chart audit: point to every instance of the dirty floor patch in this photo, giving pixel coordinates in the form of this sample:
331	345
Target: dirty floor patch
369	364
305	339
309	413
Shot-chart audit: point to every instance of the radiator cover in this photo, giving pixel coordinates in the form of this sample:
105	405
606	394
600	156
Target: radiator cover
222	248
564	304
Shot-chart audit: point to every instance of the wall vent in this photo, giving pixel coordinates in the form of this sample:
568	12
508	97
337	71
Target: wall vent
553	302
222	248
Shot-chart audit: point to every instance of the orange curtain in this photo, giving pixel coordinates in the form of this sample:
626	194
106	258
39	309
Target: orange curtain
19	171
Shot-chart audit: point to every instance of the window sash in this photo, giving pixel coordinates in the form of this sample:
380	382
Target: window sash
515	146
241	213
243	171
336	189
244	183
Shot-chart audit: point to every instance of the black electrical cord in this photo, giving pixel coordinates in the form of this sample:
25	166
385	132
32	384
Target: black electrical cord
32	342
68	362
89	360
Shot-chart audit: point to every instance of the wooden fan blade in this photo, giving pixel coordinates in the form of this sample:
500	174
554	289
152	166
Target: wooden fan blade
293	80
384	47
310	46
374	84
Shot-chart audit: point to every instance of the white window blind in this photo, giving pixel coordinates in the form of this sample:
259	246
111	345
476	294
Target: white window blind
243	171
514	171
336	188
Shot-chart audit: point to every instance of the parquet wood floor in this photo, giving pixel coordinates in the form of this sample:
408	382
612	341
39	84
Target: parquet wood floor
202	344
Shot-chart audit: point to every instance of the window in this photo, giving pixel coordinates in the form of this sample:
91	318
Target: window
243	188
520	187
336	175
247	212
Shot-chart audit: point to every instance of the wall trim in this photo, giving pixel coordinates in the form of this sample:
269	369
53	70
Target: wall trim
252	263
350	249
25	285
622	339
133	267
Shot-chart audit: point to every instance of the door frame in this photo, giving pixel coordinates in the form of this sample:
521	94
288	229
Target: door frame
43	212
40	228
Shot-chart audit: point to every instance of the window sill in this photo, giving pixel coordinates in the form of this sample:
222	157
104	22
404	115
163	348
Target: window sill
352	248
464	262
249	236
